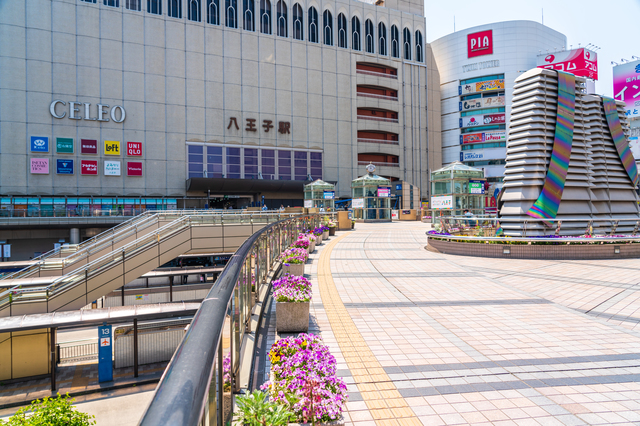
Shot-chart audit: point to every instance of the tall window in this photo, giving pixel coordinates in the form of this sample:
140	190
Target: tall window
313	25
298	27
112	3
214	162
327	22
133	5
406	35
300	164
213	16
233	163
395	42
382	39
419	56
175	8
232	14
251	163
284	165
265	16
196	161
154	6
355	33
282	18
268	164
369	36
248	15
194	10
342	31
316	164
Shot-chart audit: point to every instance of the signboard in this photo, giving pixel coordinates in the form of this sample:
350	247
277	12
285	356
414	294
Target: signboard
471	104
112	147
64	167
134	149
134	168
384	191
581	62
480	137
308	204
105	354
406	212
329	195
6	250
481	86
482	120
64	145
626	87
88	146
40	166
476	187
394	214
112	168
398	186
357	203
634	146
471	156
89	167
480	43
39	144
442	202
424	205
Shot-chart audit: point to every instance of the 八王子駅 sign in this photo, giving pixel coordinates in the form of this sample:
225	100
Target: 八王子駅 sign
84	111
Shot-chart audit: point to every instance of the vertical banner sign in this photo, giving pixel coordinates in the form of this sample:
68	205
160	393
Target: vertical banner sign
105	354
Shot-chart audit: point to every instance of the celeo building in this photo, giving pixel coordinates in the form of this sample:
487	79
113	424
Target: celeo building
478	67
163	103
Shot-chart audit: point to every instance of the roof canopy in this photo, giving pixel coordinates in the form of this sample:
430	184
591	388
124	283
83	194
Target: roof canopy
319	184
369	179
457	169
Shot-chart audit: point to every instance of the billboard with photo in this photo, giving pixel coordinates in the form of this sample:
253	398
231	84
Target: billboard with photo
581	62
480	137
481	86
626	87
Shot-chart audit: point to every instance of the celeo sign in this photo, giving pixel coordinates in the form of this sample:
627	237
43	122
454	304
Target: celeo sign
480	43
581	62
84	111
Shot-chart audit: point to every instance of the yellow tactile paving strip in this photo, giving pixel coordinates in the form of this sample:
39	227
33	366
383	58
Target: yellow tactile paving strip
386	405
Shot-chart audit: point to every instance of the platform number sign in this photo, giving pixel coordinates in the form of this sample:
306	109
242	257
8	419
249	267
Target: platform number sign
105	354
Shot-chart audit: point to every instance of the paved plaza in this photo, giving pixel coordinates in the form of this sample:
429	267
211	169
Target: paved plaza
425	338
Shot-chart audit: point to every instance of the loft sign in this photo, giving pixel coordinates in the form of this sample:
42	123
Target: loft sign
84	111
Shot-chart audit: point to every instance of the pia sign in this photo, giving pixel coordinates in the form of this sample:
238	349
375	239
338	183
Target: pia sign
480	44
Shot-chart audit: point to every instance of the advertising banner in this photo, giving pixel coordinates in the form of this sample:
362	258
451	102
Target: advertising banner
112	147
626	87
634	146
480	137
6	250
329	195
581	62
471	156
481	86
384	192
64	167
442	202
89	167
112	168
480	43
39	144
40	166
134	149
134	168
482	120
64	145
88	146
471	104
357	203
308	204
425	205
476	187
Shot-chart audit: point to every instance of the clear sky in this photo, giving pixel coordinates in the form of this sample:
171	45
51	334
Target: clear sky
613	25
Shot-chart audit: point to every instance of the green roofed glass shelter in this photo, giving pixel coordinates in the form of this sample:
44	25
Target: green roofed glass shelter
319	194
371	202
456	188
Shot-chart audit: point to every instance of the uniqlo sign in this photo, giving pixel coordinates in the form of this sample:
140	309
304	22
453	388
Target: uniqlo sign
89	167
134	148
89	146
479	44
134	168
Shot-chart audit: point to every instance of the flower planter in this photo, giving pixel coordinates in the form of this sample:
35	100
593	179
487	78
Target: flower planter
318	239
292	317
325	235
312	247
338	422
293	268
332	231
226	406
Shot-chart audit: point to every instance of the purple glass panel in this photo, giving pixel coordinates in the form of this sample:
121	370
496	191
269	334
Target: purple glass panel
284	165
233	163
316	165
250	163
268	164
300	165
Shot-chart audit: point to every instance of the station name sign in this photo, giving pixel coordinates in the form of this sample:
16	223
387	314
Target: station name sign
84	111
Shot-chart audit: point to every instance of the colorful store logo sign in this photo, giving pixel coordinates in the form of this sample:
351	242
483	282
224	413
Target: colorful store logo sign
112	147
497	136
476	187
481	86
442	202
64	145
482	120
88	146
39	144
40	166
480	43
64	167
112	168
626	87
581	62
134	168
134	149
89	167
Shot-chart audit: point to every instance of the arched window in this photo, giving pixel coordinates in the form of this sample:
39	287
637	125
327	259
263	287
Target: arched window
313	25
265	16
369	42
406	35
382	39
231	14
249	11
213	16
194	10
298	26
282	18
355	33
154	6
327	23
342	31
419	56
395	42
175	8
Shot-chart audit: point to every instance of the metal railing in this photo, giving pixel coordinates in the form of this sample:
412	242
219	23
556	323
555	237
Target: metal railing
197	385
369	117
373	95
77	350
64	212
378	163
377	74
382	141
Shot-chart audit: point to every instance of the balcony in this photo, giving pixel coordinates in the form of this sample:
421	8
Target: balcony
378	164
386	120
374	96
377	74
382	141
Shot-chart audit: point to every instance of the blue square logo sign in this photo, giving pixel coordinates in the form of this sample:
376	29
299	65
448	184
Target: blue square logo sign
64	167
39	144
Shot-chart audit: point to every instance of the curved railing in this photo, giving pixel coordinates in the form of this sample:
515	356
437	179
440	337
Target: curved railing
196	387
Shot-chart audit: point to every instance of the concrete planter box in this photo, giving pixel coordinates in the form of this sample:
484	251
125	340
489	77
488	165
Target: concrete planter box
318	239
325	235
332	231
312	246
293	268
292	317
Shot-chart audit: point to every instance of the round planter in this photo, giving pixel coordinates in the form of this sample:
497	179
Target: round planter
332	231
325	235
292	317
293	268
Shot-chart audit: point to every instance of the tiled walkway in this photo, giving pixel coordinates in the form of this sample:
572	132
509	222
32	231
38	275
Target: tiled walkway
444	339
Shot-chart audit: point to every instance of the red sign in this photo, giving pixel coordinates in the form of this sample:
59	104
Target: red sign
472	138
581	62
493	119
479	44
134	168
89	167
134	148
88	146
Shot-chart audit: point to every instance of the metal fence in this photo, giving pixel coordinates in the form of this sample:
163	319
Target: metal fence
78	350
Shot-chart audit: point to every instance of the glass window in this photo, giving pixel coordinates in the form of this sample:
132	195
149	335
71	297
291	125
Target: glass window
91	1
355	33
265	16
342	31
313	25
382	39
395	42
316	165
248	15
419	46
483	111
300	165
154	6
231	14
196	163
112	3
297	22
213	14
214	162
194	10
133	5
407	44
233	163
268	164
282	19
369	36
175	8
284	165
327	22
251	163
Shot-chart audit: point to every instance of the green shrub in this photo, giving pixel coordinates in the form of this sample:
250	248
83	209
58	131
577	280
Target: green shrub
50	412
255	410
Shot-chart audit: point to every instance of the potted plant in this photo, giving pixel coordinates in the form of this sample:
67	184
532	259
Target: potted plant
318	231
292	295
312	241
332	228
325	232
293	260
353	224
303	243
256	410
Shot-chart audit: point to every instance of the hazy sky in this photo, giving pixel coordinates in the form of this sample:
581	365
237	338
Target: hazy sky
613	25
